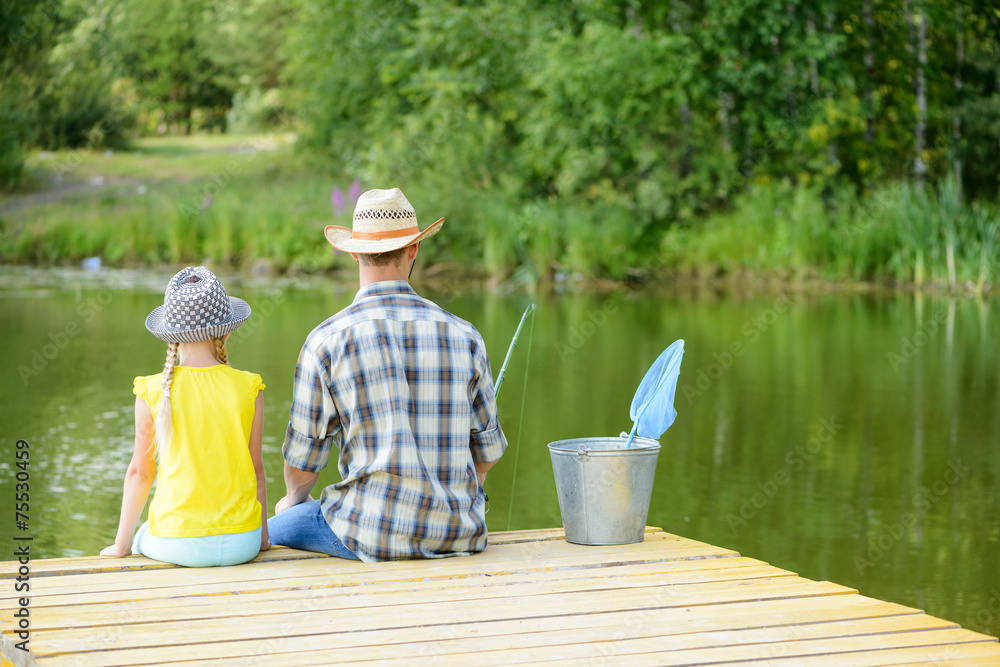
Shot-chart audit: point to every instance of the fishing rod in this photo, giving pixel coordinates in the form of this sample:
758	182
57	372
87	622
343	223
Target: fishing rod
513	343
503	373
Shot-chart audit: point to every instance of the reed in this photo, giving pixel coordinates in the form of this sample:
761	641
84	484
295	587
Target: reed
895	234
986	243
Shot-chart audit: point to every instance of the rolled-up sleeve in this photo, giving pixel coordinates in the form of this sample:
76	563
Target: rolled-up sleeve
313	420
488	442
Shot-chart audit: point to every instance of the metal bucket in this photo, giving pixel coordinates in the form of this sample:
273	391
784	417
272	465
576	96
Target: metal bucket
603	488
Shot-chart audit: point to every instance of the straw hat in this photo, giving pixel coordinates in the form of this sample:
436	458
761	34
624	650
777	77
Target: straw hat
383	221
196	307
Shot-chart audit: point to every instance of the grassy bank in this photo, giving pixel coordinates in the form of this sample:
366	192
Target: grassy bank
238	202
896	235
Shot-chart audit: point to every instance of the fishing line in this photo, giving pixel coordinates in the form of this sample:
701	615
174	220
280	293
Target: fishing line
520	423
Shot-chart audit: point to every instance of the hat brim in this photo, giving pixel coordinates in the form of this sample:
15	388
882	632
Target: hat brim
157	326
343	240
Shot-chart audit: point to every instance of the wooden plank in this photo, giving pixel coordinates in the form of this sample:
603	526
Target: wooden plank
972	655
329	613
347	583
956	655
207	594
57	567
540	534
82	564
656	651
392	594
516	557
583	642
543	582
519	606
437	639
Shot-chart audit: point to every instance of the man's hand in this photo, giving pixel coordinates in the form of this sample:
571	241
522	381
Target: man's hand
285	503
482	467
298	484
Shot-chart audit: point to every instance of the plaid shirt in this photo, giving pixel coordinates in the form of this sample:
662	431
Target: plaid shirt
404	389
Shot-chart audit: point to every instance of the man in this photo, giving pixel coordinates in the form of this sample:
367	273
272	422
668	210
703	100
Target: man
403	389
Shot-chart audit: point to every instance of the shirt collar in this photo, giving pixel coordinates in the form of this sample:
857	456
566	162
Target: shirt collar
384	288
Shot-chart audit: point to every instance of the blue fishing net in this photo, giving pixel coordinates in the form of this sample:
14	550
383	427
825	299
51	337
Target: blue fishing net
652	408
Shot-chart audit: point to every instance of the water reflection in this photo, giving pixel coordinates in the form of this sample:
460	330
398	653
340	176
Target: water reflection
851	438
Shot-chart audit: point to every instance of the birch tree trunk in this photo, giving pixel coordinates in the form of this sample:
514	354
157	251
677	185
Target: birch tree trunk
866	11
831	150
725	111
919	166
956	127
813	66
956	135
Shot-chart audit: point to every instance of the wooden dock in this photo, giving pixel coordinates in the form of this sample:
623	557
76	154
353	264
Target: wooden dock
531	597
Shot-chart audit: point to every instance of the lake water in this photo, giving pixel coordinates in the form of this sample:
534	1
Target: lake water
849	438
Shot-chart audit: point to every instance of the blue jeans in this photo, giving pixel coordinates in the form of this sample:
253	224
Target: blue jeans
207	551
304	527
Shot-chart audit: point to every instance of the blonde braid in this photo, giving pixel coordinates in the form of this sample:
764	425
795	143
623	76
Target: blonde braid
164	424
220	350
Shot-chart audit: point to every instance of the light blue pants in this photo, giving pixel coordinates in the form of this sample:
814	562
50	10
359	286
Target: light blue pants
208	551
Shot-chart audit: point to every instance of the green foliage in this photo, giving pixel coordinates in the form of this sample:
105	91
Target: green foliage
658	115
631	151
255	111
93	74
28	31
598	138
83	103
14	128
163	45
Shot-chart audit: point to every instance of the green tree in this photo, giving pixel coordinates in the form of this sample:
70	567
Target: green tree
29	31
84	100
165	46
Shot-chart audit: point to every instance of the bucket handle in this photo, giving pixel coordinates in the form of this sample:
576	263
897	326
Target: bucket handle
583	453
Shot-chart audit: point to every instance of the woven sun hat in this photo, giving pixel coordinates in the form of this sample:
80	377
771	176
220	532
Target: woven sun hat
383	221
195	308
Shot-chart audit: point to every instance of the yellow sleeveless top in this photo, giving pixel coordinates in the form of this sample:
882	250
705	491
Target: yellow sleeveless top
205	483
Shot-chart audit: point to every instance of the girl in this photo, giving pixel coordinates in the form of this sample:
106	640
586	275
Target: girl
200	420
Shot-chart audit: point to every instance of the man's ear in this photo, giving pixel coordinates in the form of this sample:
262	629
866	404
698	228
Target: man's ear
411	251
355	256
